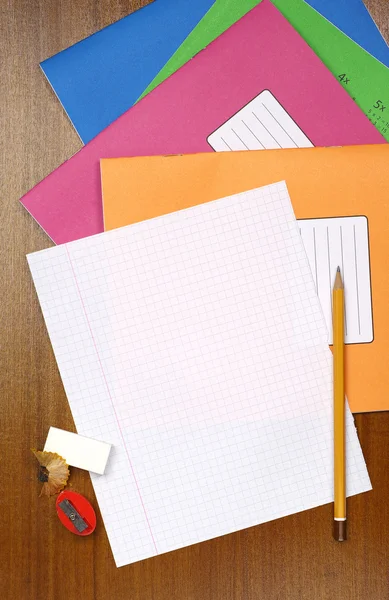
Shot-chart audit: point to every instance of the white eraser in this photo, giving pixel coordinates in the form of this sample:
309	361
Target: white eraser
78	451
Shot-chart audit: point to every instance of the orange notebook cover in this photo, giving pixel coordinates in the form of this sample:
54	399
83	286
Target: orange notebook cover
341	200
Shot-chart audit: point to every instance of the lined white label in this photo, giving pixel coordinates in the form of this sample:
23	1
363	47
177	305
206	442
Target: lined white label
343	242
263	124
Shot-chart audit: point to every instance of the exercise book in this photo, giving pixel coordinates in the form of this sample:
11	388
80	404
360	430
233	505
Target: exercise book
100	77
340	197
195	344
353	18
282	96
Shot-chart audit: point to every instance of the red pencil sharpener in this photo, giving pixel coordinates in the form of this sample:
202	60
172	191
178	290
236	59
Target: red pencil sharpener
76	513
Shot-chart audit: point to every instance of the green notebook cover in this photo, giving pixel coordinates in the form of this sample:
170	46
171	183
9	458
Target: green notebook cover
364	77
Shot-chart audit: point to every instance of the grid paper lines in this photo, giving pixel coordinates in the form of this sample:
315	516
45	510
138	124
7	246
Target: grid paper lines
214	349
110	397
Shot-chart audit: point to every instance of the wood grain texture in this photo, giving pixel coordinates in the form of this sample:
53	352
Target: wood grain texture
293	558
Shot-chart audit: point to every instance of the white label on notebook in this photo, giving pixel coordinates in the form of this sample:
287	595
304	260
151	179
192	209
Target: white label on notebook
263	124
343	242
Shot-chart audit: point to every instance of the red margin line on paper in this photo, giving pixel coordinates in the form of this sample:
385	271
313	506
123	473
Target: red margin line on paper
111	399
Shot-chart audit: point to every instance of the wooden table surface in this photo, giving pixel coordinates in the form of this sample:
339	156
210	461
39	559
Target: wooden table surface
293	558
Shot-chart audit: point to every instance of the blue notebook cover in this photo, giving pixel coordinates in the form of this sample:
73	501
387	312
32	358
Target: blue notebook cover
353	18
102	76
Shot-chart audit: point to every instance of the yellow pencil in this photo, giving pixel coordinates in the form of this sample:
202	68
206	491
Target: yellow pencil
340	531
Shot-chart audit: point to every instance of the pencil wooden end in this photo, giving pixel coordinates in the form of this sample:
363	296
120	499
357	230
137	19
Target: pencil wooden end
340	531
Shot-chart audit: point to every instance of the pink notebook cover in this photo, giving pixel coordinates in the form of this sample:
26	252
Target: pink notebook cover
260	52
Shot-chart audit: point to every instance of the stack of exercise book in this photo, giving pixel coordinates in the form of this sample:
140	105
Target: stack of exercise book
235	156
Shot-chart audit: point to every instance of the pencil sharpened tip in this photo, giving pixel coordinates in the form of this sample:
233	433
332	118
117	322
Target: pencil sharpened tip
338	284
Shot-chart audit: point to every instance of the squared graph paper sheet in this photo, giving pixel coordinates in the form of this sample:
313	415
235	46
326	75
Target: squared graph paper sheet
343	242
195	344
